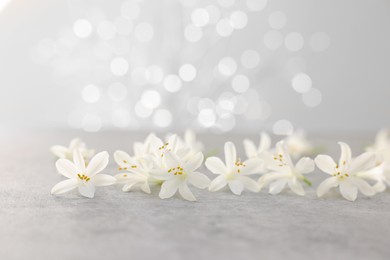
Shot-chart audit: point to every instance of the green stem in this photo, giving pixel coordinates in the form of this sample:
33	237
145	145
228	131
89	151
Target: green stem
307	181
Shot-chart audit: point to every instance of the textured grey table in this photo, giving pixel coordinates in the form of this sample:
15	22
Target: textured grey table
117	225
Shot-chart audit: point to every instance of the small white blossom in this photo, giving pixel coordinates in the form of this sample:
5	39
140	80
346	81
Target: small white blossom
345	173
381	147
284	172
190	141
134	172
260	152
85	178
233	172
64	152
177	174
379	174
297	144
143	149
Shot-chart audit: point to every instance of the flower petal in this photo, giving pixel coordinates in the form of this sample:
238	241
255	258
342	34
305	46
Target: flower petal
145	188
326	185
296	187
363	162
171	160
64	186
363	186
269	177
249	183
59	151
282	149
376	173
348	190
123	159
155	142
133	179
236	186
250	149
277	186
218	183
185	192
215	165
252	166
169	188
97	164
87	190
173	142
380	186
66	168
121	177
76	143
128	186
199	180
79	160
346	154
325	163
103	180
265	142
138	148
161	174
189	136
194	162
305	165
230	155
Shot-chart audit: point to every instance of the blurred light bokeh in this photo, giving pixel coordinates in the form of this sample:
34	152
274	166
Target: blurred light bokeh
219	66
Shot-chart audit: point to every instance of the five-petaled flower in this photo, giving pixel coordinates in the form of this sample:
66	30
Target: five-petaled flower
345	173
298	145
284	172
177	174
233	172
64	152
260	152
134	172
85	178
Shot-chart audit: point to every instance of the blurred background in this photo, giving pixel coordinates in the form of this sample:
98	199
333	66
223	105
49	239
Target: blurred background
216	66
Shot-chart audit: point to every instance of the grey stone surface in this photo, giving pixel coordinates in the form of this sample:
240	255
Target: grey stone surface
118	225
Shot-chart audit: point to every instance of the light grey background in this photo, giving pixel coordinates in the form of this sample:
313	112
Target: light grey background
352	74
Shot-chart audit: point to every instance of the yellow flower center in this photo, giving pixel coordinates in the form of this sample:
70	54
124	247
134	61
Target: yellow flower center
280	160
177	170
163	149
338	173
83	177
126	168
239	165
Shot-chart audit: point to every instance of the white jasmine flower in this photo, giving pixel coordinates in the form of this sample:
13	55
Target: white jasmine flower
284	172
381	147
298	145
233	172
64	152
254	152
173	145
345	173
185	148
142	150
158	147
135	172
380	174
190	141
177	174
82	177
